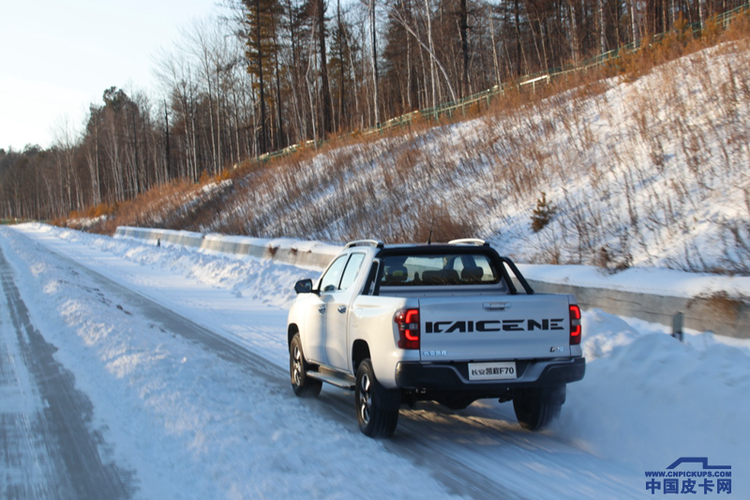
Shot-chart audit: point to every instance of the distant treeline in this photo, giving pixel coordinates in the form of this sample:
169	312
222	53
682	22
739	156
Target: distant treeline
269	73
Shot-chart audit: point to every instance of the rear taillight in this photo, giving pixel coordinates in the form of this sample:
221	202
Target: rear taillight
575	325
407	321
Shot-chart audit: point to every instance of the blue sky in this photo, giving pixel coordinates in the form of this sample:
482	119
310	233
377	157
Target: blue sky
59	57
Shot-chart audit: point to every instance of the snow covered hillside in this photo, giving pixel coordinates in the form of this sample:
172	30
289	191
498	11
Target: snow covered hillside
648	171
214	416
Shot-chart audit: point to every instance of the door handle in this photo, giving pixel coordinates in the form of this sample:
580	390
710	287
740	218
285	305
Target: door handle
342	309
496	306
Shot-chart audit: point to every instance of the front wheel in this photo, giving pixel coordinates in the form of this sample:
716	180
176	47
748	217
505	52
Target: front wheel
537	407
377	407
303	386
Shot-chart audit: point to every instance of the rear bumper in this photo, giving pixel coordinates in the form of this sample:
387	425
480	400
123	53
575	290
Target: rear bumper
455	376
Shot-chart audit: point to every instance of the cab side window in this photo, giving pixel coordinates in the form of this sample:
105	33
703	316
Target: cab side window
352	270
331	279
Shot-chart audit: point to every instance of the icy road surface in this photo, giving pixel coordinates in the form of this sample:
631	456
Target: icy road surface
176	365
48	449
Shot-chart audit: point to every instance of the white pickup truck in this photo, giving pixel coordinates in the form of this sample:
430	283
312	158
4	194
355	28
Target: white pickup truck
451	323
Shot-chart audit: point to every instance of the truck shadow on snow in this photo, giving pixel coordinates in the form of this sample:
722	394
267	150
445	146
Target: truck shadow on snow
485	423
476	452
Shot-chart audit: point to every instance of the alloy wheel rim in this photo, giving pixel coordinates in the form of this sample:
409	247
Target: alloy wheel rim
296	366
365	400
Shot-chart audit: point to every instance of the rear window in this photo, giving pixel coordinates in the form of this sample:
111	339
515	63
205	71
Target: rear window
439	270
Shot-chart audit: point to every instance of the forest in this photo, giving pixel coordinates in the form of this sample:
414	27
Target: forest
265	74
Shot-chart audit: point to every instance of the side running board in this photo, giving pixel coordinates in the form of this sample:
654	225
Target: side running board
339	380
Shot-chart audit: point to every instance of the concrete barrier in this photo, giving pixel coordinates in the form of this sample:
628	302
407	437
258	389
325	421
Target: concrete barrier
183	238
311	254
718	313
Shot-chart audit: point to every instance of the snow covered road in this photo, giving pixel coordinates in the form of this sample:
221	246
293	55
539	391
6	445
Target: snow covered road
183	359
48	451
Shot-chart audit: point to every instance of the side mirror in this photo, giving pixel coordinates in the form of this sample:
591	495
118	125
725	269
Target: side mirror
303	286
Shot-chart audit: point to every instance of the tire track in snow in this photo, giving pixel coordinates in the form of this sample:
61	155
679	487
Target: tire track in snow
56	443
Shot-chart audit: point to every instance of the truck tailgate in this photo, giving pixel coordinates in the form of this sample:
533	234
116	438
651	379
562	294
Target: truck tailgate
502	327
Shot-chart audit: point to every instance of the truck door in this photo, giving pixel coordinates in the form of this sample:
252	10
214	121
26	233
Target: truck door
338	302
314	341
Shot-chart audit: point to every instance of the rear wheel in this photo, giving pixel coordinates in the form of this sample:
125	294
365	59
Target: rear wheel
303	386
377	407
537	407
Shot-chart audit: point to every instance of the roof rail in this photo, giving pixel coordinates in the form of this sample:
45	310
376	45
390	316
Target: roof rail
365	243
469	241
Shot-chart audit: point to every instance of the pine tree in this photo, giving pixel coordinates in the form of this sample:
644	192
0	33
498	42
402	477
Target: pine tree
343	50
542	214
261	21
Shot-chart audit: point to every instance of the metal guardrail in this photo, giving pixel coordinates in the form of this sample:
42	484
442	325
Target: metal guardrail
449	108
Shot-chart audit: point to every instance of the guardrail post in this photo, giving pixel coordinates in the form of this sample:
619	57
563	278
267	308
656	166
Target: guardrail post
677	323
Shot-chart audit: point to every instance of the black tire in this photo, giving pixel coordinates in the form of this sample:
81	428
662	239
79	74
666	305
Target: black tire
537	407
303	386
377	407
